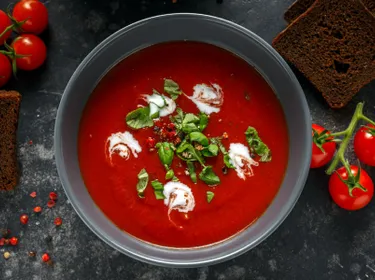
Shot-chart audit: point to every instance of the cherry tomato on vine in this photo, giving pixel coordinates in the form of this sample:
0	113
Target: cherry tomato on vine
364	144
4	23
5	69
351	192
32	49
35	14
323	148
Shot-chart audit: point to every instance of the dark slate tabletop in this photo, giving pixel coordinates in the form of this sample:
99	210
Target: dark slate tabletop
317	241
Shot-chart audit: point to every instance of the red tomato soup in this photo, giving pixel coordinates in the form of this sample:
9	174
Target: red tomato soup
185	218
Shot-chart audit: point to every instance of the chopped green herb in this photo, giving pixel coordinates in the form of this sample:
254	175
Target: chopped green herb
210	196
166	153
187	152
208	176
142	182
199	137
257	146
211	151
192	173
217	141
203	121
169	175
172	88
158	189
139	118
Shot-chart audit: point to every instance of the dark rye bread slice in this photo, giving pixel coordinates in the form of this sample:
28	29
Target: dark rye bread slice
9	111
301	6
333	45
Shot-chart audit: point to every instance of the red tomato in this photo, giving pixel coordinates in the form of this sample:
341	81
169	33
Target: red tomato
4	23
35	14
5	69
364	145
340	192
320	158
33	49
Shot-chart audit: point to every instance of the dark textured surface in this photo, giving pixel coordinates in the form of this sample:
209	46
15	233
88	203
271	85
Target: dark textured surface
317	241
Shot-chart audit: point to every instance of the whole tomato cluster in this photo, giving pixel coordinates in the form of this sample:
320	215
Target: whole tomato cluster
26	51
349	186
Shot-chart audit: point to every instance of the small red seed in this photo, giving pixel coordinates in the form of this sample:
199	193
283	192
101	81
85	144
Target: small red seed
58	221
51	203
24	219
33	194
14	241
52	196
37	209
45	257
31	142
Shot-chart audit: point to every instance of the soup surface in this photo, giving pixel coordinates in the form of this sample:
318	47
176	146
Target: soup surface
230	194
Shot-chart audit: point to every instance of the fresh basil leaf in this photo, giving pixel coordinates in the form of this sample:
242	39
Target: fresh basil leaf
190	118
165	152
208	176
227	162
169	175
203	121
172	88
187	153
158	189
257	146
211	151
192	173
142	182
189	127
139	118
210	196
178	118
199	137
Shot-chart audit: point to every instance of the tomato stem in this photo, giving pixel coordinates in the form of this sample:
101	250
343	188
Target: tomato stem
10	27
340	155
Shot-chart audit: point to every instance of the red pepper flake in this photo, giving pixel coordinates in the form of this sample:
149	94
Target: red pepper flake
37	209
24	219
225	135
33	194
171	126
2	241
151	142
14	241
53	196
51	203
46	257
31	142
58	221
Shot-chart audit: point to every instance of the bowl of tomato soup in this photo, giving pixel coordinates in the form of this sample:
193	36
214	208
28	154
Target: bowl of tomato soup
183	140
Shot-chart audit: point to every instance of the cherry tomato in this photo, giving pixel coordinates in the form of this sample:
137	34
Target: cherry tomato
320	158
32	48
5	69
340	192
35	14
364	144
4	23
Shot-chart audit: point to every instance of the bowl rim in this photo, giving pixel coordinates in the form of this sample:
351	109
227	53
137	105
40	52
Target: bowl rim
292	200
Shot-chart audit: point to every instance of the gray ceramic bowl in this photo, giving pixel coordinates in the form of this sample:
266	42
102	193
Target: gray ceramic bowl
176	27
